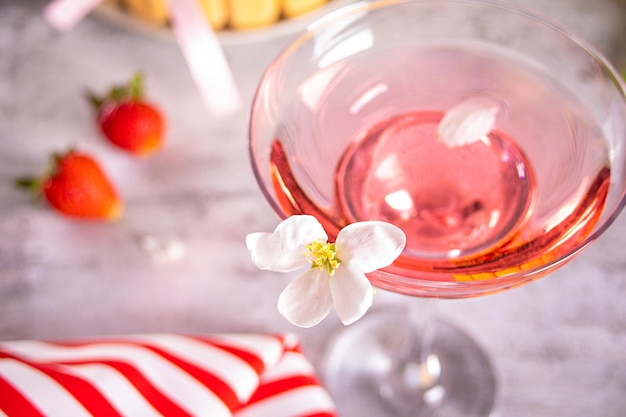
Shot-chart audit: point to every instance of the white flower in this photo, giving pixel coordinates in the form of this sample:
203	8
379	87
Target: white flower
336	276
467	122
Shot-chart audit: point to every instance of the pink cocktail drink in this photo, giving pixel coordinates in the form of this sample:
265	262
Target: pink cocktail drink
531	190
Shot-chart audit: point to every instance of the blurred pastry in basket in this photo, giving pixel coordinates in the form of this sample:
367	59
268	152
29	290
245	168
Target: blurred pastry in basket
222	14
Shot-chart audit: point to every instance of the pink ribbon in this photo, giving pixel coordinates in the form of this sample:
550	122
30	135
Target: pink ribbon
65	14
205	58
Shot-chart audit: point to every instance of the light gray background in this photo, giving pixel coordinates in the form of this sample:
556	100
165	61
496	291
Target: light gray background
558	346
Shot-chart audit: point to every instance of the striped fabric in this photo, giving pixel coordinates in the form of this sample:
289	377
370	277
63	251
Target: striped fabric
226	375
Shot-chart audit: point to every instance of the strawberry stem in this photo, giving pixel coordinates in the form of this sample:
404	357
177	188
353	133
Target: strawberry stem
33	185
136	87
133	90
95	101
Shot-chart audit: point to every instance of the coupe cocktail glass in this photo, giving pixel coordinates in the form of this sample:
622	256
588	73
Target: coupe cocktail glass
344	126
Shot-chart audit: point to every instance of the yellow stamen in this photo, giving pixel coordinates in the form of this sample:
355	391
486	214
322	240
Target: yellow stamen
323	257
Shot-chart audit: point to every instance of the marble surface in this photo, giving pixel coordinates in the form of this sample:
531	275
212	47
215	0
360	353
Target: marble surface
558	346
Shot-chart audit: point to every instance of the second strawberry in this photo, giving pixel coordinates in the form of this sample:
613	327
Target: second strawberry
128	121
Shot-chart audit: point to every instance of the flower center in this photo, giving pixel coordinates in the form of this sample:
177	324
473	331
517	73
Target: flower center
323	256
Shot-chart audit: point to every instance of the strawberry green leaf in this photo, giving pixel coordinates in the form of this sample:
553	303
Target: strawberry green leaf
32	185
133	90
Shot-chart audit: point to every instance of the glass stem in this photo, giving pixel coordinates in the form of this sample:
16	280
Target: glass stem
412	380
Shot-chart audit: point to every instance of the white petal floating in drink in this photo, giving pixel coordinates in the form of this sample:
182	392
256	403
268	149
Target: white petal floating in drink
467	122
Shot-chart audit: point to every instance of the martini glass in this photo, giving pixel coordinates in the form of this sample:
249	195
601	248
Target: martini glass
345	127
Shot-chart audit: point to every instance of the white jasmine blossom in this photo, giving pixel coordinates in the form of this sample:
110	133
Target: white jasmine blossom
336	274
467	122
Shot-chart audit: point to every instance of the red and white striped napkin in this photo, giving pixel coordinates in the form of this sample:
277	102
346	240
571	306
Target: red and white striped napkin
239	375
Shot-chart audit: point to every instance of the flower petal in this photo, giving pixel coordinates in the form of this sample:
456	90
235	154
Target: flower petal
306	300
467	122
352	293
299	230
370	245
267	253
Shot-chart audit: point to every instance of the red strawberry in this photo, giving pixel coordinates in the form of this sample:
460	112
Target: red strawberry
77	187
128	121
